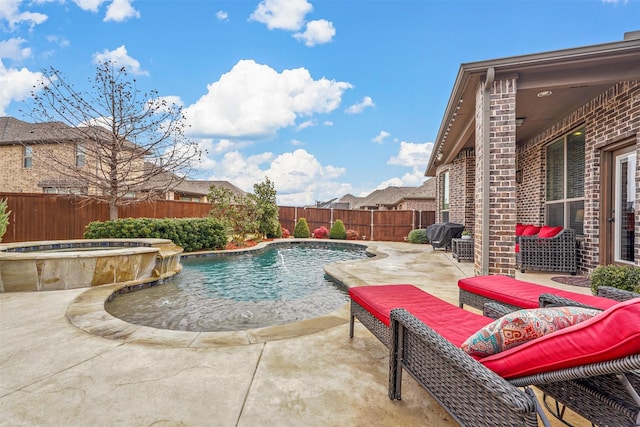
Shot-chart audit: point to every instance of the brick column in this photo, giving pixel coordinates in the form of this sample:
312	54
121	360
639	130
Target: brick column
501	177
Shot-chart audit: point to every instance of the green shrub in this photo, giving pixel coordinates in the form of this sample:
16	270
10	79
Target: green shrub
4	218
301	230
192	234
338	231
418	236
624	277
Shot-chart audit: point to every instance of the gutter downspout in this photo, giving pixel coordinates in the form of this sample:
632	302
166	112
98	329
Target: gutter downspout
486	164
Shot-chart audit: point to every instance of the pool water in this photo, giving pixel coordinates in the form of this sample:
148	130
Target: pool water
278	285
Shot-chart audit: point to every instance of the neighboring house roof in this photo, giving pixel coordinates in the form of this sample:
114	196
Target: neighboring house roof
386	197
350	200
201	188
574	76
14	131
187	186
390	196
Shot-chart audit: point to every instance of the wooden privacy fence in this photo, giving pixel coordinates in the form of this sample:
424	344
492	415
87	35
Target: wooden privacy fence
36	216
370	224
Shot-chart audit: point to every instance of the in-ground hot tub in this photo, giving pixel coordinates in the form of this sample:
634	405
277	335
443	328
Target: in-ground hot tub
70	264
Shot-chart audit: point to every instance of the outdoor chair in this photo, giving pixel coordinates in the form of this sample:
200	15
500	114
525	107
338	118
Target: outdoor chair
478	290
595	379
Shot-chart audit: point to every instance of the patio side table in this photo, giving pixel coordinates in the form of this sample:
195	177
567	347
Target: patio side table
462	249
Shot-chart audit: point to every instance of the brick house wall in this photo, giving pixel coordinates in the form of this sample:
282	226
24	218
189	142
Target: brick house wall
14	177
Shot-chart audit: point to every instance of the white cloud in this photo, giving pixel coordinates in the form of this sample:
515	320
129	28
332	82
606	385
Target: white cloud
296	142
318	32
327	123
120	57
13	49
254	101
282	14
307	124
10	12
412	154
298	176
90	5
222	15
359	107
59	40
15	85
379	139
120	10
414	178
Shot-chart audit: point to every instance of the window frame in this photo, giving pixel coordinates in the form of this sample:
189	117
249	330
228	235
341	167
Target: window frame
445	202
572	207
27	156
80	155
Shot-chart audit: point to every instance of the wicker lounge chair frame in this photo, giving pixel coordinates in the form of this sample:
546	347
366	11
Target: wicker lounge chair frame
557	253
471	393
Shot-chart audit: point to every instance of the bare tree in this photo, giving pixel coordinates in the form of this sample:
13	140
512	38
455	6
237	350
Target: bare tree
121	145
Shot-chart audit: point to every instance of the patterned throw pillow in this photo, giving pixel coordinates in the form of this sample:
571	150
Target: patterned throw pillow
521	326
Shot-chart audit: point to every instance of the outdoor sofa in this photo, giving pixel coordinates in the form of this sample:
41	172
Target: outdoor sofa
587	367
515	293
546	248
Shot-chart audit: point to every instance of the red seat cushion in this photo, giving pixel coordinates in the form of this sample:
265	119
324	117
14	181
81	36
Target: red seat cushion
548	231
524	294
613	334
531	230
453	323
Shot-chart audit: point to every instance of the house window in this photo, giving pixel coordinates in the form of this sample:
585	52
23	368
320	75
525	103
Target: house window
565	182
62	190
80	155
444	198
27	156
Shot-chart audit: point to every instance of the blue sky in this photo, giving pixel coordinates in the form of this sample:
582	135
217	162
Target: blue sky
325	97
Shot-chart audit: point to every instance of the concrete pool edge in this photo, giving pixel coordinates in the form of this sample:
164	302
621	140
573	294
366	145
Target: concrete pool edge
87	312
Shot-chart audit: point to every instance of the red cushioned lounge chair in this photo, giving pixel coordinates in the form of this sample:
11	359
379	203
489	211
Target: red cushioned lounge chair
589	367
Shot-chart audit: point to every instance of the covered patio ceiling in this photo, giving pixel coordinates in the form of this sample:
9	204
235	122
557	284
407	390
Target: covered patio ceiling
550	85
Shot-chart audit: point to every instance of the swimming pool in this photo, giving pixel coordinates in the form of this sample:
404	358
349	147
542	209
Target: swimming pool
280	284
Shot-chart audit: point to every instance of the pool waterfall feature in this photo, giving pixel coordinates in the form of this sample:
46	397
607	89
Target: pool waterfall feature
71	264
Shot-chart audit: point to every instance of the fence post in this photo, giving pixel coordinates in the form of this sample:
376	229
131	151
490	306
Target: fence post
371	237
331	219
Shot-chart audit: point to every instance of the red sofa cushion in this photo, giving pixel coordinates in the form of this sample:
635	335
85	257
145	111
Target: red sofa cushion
613	334
450	321
548	231
520	228
531	230
524	294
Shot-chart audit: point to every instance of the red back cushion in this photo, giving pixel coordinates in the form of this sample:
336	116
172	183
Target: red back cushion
613	334
548	231
520	228
531	230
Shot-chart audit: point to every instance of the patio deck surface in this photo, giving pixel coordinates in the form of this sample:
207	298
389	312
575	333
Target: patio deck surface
63	361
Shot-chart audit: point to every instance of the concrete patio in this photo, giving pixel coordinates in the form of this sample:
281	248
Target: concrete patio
65	362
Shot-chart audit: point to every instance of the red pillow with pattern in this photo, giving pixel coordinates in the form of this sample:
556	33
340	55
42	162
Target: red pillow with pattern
519	327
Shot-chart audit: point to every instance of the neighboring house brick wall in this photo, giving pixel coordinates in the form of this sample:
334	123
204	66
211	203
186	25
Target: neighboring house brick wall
14	177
